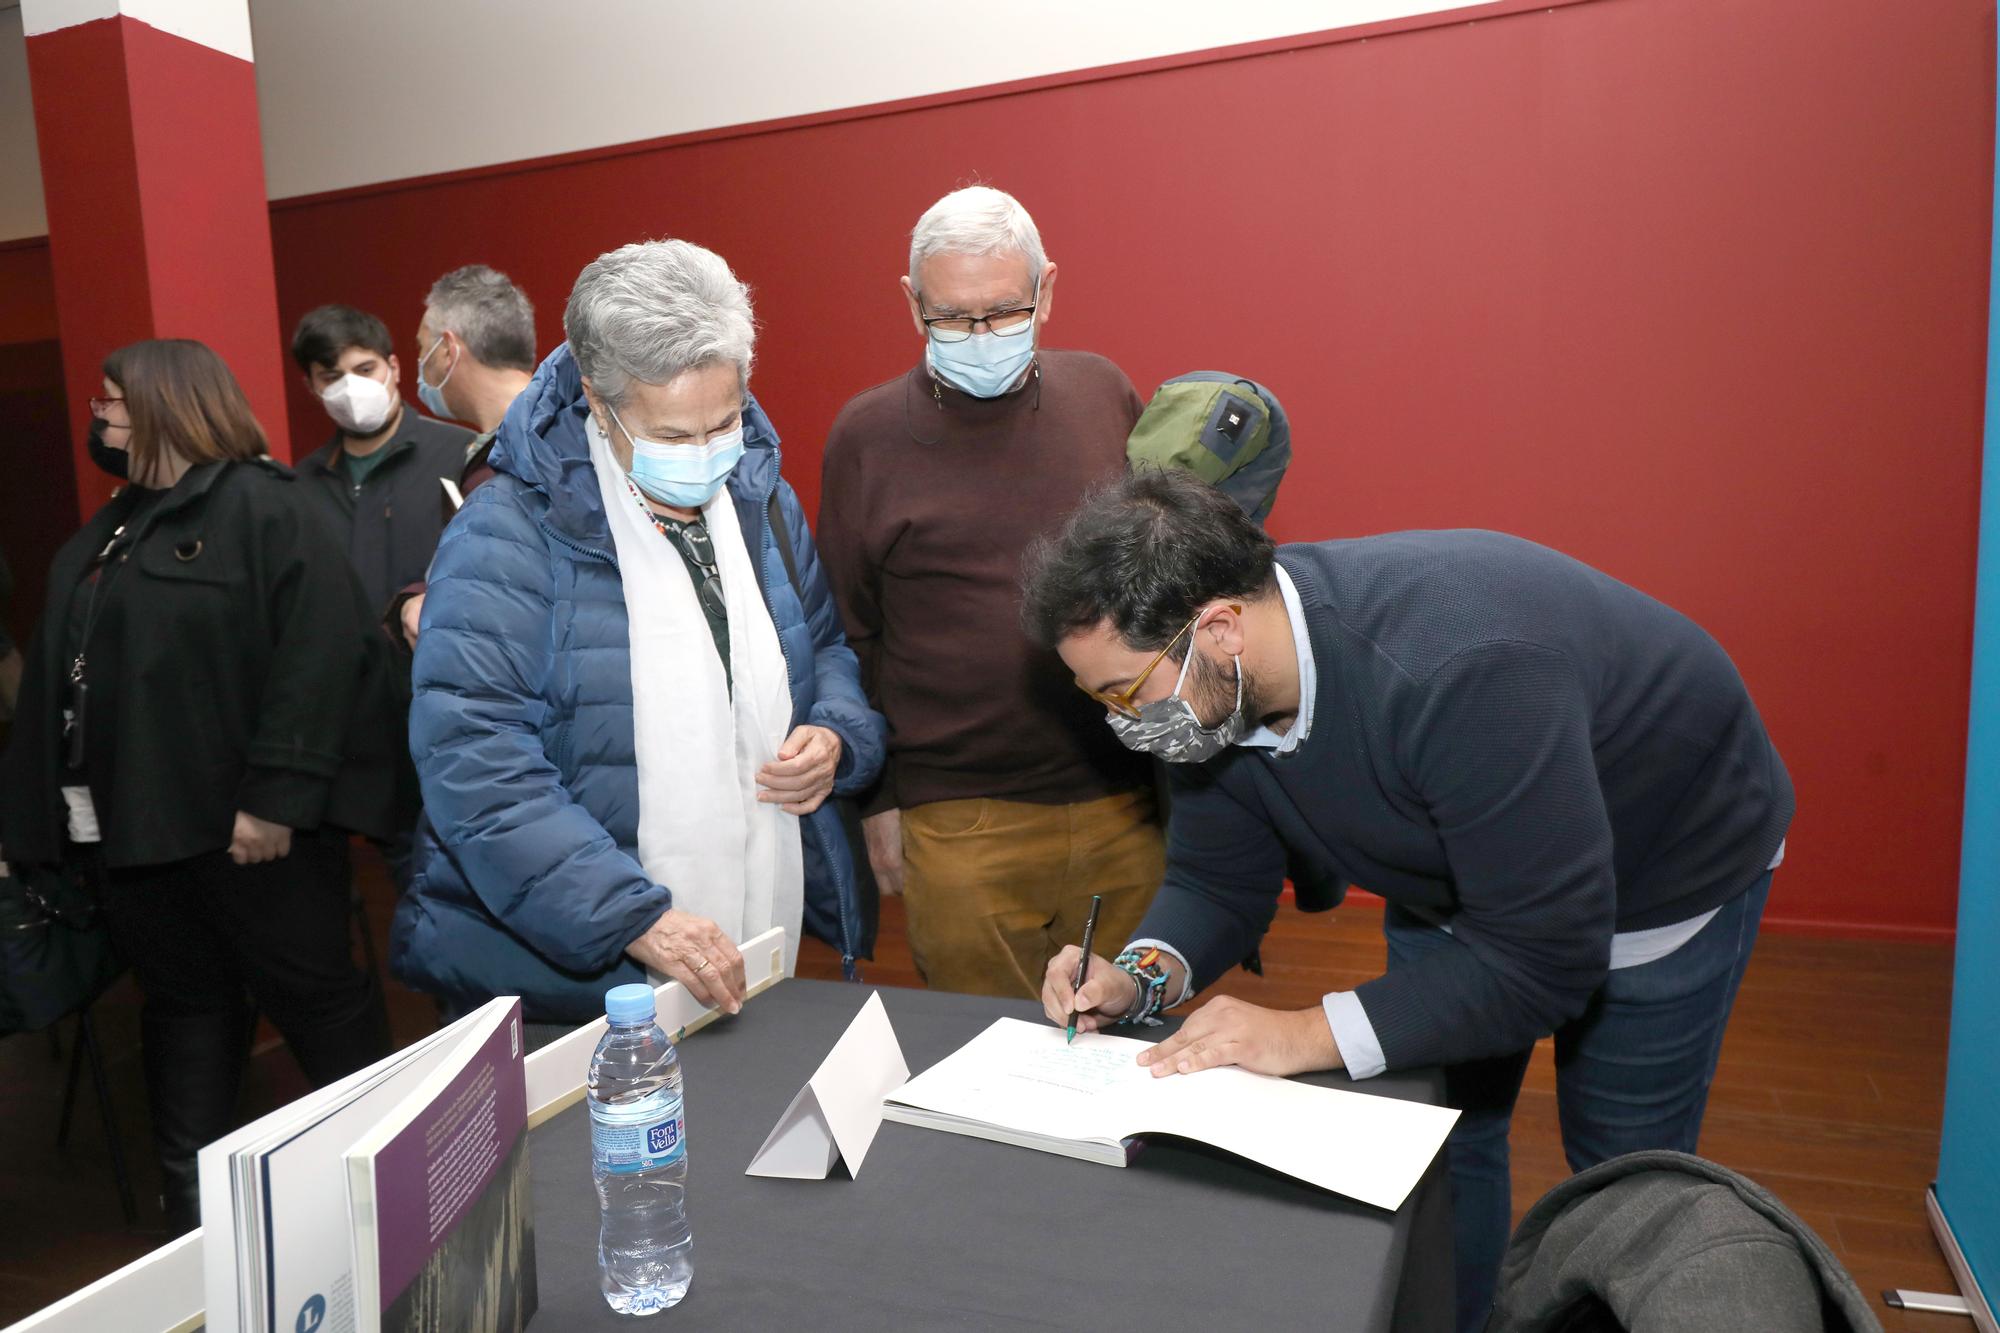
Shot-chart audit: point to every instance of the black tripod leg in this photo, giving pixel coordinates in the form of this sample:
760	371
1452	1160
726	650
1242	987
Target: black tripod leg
87	1035
69	1083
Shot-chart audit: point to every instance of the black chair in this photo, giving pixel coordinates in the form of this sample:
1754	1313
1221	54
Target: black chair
1667	1241
55	962
85	1048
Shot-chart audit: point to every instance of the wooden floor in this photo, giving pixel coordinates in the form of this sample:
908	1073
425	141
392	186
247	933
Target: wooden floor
1830	1094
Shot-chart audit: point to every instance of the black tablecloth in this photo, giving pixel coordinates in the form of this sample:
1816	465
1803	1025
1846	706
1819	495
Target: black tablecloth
945	1231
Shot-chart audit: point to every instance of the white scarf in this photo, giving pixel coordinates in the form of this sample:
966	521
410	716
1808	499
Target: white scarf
702	831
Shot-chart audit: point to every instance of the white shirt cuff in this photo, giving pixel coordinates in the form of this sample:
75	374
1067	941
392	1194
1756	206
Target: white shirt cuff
1187	973
1360	1052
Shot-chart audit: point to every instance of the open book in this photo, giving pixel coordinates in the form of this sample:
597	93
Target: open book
279	1231
440	1200
1020	1083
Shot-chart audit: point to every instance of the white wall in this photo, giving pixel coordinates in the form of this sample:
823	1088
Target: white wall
364	91
372	90
20	163
221	24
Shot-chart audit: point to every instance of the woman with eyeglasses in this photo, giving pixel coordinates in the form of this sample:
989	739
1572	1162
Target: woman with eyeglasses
632	694
202	722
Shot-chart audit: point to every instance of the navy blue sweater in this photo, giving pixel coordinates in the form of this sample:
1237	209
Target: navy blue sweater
1502	737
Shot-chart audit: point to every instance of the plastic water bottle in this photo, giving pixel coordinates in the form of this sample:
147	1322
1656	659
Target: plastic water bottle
638	1153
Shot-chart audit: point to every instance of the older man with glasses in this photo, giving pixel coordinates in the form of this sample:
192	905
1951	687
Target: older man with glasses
1005	805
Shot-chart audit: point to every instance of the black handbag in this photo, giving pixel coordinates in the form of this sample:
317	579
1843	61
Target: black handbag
55	953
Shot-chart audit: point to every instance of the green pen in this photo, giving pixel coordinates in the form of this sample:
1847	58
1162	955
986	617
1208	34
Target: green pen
1083	963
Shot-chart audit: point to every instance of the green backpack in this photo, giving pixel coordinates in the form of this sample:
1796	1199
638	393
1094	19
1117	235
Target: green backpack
1232	433
1225	429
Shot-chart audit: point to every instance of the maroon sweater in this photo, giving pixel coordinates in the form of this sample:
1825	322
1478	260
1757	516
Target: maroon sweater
928	500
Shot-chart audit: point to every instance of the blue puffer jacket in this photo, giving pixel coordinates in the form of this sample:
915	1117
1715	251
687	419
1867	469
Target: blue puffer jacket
521	727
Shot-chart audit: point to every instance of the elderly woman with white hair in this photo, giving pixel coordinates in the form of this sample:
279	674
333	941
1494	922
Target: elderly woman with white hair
632	695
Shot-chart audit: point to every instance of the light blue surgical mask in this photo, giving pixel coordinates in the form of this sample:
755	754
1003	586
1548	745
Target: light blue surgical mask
985	365
432	395
686	476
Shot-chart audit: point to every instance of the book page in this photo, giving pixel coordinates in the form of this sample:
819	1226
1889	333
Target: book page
236	1274
440	1195
304	1192
1021	1076
1366	1147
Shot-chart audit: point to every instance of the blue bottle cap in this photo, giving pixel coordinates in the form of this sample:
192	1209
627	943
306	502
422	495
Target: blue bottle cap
629	1004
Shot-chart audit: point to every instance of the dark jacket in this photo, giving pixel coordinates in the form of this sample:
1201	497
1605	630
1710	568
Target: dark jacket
475	472
6	596
391	525
234	666
1503	739
1658	1242
478	468
522	724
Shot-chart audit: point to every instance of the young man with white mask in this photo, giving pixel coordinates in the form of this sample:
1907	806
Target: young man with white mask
377	479
1005	805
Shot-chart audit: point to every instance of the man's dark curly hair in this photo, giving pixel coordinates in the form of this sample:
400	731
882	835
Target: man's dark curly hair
1143	552
329	330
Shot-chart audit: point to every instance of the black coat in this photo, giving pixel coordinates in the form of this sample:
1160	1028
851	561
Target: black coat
391	524
234	665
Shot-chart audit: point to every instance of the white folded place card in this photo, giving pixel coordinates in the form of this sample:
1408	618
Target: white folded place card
837	1112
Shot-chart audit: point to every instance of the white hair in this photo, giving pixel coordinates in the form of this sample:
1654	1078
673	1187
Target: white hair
978	220
653	310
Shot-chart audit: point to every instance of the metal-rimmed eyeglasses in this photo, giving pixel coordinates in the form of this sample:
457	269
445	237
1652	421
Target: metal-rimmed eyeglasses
1001	323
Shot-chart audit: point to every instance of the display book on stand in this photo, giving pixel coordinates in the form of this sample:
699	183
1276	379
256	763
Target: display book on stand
385	1200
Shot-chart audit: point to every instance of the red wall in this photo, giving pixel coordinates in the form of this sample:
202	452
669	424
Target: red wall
38	496
1696	293
212	195
27	292
168	150
36	518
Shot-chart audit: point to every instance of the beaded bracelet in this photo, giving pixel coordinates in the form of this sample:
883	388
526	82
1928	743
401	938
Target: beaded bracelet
1150	971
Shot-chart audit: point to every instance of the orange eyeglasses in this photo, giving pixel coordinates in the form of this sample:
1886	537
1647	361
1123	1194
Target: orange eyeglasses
1121	702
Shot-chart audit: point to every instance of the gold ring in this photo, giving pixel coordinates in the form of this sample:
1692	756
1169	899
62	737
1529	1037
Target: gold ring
704	963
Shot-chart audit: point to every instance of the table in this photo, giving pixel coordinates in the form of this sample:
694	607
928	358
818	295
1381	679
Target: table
945	1231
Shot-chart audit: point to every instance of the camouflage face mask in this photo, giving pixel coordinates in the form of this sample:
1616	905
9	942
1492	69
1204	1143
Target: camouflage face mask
1169	728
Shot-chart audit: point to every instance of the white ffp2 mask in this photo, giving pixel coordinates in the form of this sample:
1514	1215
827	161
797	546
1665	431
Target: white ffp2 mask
358	405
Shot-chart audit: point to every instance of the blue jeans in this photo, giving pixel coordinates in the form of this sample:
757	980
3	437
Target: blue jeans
1632	1072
